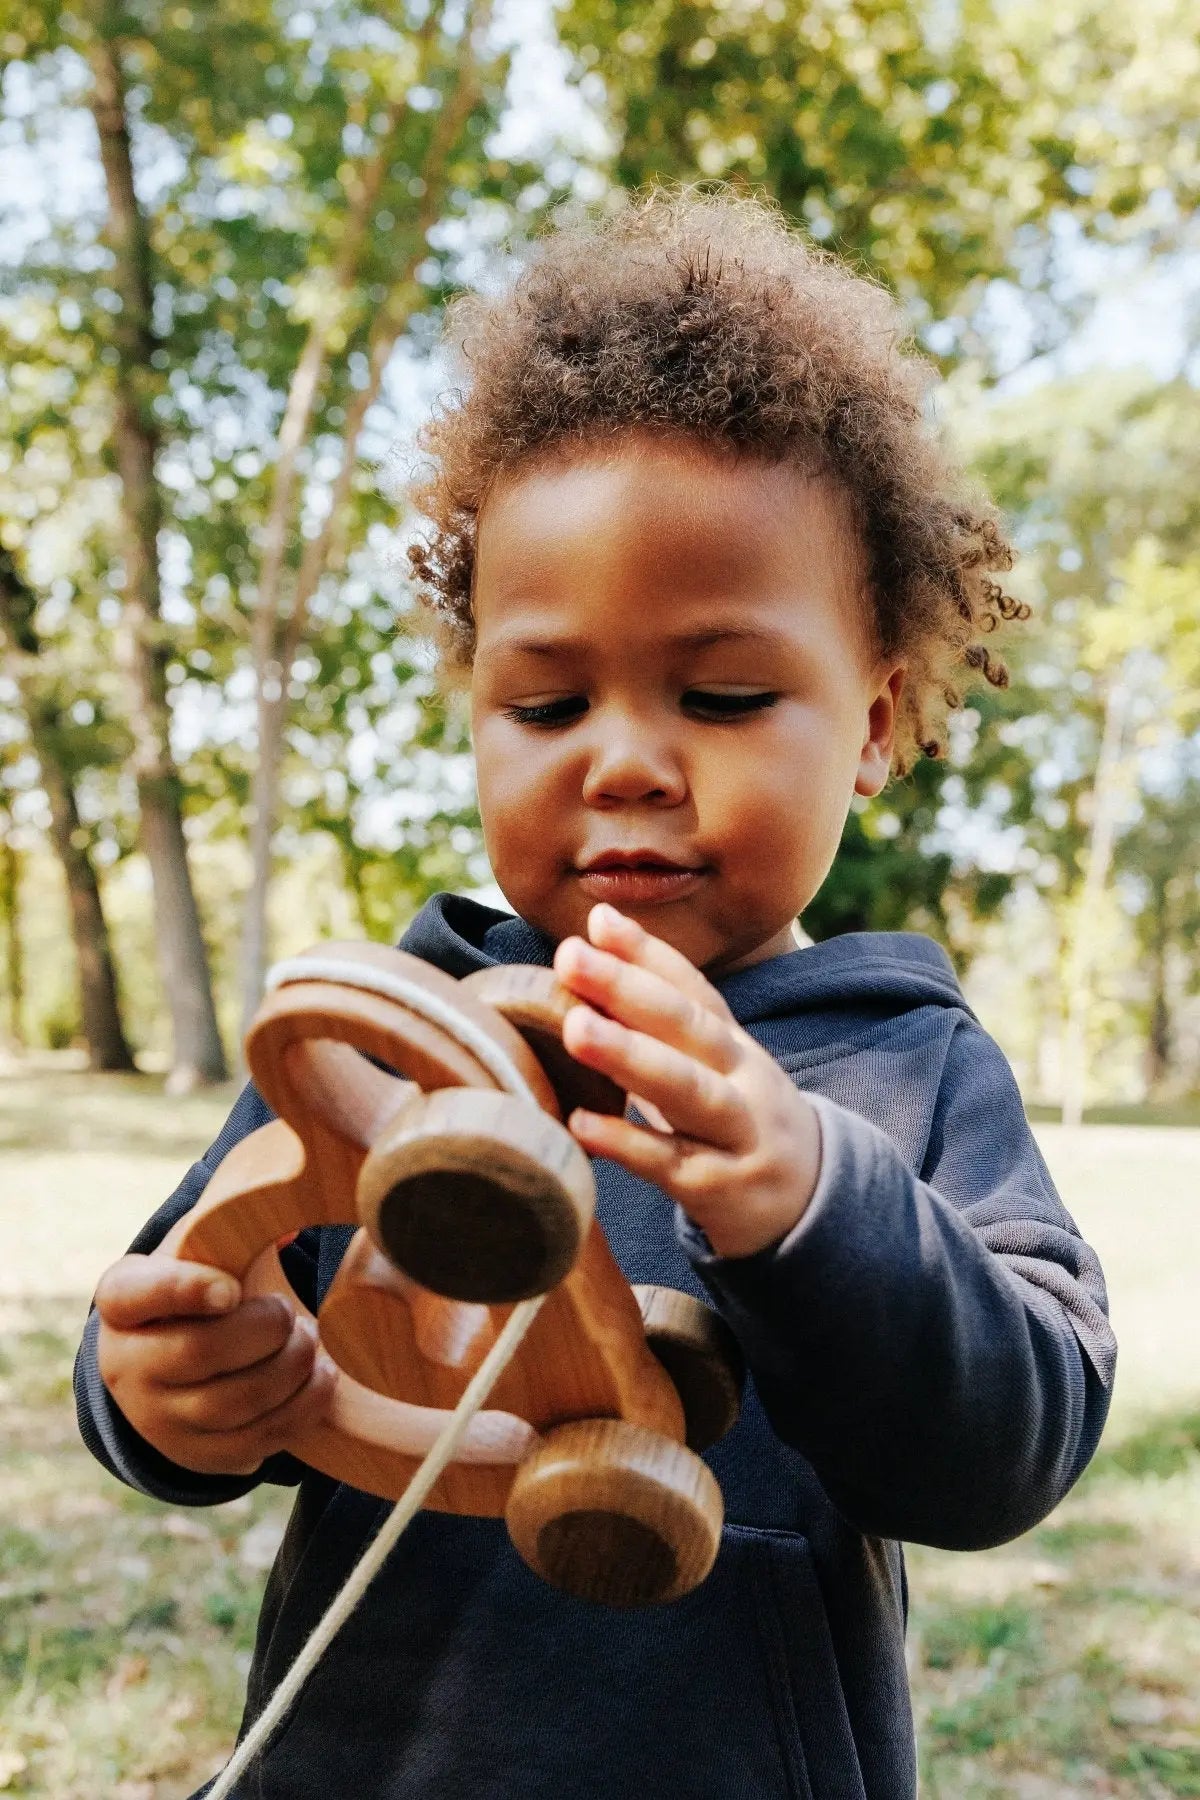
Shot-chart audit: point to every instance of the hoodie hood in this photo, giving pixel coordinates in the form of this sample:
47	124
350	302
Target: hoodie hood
869	975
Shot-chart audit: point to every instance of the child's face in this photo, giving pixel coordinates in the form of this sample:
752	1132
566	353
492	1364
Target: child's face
673	694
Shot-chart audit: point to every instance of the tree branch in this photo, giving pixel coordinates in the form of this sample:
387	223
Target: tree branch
306	379
389	326
389	323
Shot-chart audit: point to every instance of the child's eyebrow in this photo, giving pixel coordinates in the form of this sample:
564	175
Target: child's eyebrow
702	638
729	634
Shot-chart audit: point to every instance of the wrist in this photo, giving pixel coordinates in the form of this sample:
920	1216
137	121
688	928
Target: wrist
755	1221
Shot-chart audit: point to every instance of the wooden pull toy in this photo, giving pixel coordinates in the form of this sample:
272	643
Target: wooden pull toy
471	1195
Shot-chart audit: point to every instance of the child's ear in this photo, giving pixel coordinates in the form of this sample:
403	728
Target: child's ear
875	761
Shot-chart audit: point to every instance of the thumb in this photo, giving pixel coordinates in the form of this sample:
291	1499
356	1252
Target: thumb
140	1290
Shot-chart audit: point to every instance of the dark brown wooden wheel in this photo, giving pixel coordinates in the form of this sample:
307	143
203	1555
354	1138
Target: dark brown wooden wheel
612	1512
701	1355
477	1195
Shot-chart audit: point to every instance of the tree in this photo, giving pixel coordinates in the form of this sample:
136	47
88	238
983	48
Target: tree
937	145
285	255
448	66
183	957
312	185
10	913
1103	477
1159	857
49	736
1144	637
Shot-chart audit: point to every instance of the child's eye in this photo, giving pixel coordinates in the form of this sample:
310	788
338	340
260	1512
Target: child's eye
726	705
549	712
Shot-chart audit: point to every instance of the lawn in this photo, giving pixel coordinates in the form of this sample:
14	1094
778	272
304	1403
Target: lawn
1064	1665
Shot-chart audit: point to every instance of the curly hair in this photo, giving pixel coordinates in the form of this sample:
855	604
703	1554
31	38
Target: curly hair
706	315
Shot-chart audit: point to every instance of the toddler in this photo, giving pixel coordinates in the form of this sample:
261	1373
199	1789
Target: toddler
708	576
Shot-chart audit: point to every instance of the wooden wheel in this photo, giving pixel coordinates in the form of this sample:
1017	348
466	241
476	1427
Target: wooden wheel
701	1355
476	1195
612	1512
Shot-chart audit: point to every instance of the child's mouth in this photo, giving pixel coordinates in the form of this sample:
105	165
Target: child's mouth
638	879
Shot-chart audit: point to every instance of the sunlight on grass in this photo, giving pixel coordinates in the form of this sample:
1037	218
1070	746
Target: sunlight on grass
1074	1651
1063	1666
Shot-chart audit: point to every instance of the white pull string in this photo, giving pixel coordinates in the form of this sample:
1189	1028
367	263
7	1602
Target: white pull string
378	1550
504	1071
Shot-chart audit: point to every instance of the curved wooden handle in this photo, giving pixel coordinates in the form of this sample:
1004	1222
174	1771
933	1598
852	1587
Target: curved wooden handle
536	1003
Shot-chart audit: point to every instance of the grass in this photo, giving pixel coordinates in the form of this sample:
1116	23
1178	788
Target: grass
1068	1663
125	1627
1184	1111
1061	1666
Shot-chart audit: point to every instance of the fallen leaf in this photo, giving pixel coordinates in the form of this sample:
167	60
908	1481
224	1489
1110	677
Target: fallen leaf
129	1671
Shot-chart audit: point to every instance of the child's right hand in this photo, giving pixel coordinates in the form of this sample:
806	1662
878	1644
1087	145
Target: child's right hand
214	1382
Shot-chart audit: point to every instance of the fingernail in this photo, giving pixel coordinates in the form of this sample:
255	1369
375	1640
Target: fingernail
584	1022
610	916
220	1295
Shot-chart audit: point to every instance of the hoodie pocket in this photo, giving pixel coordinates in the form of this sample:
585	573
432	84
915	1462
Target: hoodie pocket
462	1676
806	1690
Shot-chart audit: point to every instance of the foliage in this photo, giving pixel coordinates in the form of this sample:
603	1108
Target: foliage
963	155
254	131
1102	475
942	146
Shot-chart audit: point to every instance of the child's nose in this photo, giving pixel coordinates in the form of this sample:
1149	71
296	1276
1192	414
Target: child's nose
632	765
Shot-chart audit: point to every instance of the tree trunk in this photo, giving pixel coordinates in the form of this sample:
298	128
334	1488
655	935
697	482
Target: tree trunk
1081	954
277	639
107	1047
1159	1036
197	1054
10	912
305	385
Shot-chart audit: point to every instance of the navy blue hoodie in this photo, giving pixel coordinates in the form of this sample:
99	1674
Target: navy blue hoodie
930	1360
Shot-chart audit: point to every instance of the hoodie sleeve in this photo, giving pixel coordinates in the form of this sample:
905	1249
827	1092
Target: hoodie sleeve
937	1346
106	1431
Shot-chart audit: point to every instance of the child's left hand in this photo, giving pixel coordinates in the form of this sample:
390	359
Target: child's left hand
743	1149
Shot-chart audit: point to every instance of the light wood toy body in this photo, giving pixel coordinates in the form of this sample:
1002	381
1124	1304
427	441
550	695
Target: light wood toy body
469	1198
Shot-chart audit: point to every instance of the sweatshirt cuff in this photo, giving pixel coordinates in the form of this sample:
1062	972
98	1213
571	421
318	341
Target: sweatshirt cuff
845	1271
705	1260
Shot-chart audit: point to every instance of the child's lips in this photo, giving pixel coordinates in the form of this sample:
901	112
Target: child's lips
639	884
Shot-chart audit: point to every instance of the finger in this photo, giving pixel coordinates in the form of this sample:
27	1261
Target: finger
242	1451
611	930
138	1290
692	1097
646	1001
677	1164
182	1355
233	1402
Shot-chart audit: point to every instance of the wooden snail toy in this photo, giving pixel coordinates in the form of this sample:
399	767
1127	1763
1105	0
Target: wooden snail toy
427	1112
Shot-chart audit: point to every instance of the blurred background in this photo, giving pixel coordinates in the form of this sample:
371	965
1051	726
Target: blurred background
227	233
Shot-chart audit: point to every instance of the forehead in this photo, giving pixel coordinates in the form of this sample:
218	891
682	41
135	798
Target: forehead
654	539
